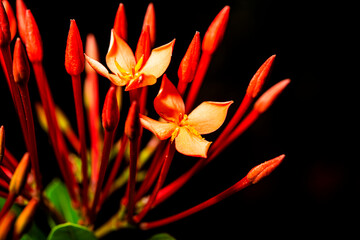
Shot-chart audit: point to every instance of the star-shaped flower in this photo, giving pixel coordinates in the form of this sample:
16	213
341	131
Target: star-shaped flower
184	129
125	71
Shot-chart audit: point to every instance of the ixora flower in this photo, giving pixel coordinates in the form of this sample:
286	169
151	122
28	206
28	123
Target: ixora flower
126	71
185	129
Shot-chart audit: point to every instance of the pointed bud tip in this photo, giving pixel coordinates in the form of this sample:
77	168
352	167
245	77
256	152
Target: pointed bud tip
150	20
25	218
19	177
132	123
259	77
21	68
259	172
216	31
120	22
110	113
5	33
74	53
34	46
266	100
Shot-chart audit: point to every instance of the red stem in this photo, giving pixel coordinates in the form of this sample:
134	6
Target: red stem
132	177
108	138
114	169
7	205
76	83
9	160
25	96
219	197
198	79
170	150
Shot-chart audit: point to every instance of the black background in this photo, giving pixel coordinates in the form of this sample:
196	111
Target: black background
314	191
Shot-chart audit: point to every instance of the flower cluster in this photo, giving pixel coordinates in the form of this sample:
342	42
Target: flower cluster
87	181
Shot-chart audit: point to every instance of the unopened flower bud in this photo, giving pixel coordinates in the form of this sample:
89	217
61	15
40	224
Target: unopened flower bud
11	18
5	34
74	53
2	143
132	123
19	177
34	46
21	68
120	23
21	19
149	20
216	30
23	222
264	169
6	225
110	113
266	100
190	61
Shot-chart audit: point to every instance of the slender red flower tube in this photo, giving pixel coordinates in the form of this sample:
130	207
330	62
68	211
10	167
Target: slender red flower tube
33	41
255	175
74	65
120	22
110	120
189	63
2	143
21	19
5	34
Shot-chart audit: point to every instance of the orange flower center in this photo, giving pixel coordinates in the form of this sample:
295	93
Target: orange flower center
184	124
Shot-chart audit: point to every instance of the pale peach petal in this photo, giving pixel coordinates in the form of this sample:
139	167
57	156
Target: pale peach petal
168	103
162	130
159	60
141	81
191	144
208	116
120	52
101	69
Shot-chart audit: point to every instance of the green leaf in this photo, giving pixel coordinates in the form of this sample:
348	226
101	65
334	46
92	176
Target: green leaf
57	193
70	231
162	236
34	232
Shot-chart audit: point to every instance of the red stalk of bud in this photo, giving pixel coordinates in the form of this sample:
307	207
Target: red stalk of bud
120	23
7	205
2	143
168	156
189	63
6	225
74	64
21	70
254	175
10	161
25	218
11	17
149	20
21	19
110	120
132	129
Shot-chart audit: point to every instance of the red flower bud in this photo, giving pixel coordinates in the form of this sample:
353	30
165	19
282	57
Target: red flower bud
190	61
266	100
19	177
259	78
2	143
216	30
11	18
6	224
120	23
25	218
110	113
149	20
132	123
144	45
5	34
33	41
74	53
21	19
21	68
260	171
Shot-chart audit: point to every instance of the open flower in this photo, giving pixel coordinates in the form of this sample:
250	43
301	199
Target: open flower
126	71
184	129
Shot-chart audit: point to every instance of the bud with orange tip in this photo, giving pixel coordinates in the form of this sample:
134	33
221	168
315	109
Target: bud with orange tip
23	222
6	225
11	18
34	46
21	68
260	171
216	30
19	177
150	20
74	54
110	113
143	48
21	18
